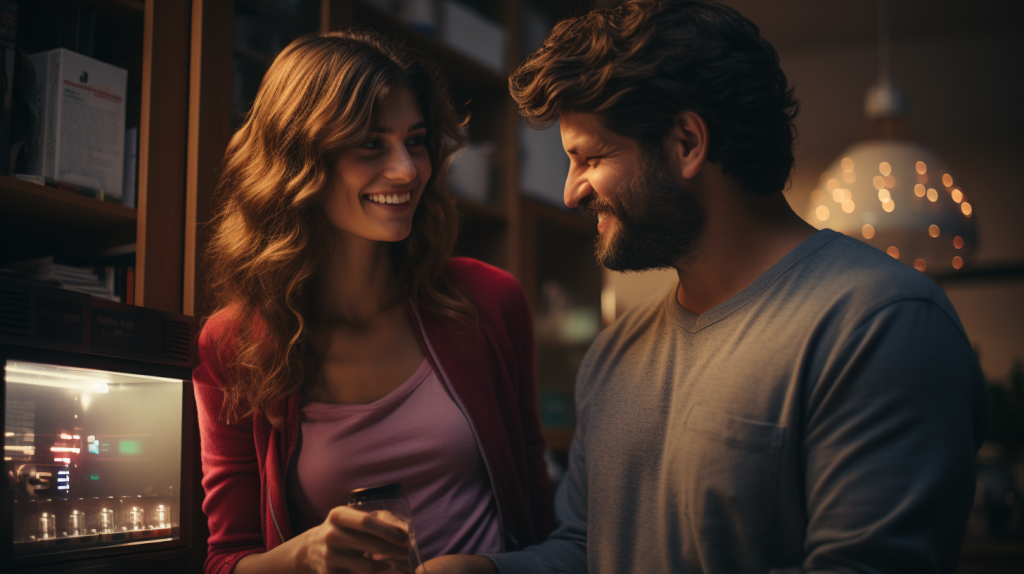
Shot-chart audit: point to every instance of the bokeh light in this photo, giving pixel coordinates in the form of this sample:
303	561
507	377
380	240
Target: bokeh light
957	262
920	265
893	252
868	231
821	212
884	168
933	230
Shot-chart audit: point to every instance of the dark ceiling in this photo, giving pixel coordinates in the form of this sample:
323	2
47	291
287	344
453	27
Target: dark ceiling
798	23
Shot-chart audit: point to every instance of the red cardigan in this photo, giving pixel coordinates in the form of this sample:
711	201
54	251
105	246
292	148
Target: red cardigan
490	373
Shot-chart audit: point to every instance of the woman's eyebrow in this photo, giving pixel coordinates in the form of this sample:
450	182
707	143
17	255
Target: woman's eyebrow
387	130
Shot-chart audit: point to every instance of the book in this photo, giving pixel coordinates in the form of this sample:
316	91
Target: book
8	29
81	131
73	278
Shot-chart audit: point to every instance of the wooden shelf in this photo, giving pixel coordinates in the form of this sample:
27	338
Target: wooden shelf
461	71
25	200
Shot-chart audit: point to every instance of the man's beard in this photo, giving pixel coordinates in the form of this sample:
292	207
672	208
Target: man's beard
658	222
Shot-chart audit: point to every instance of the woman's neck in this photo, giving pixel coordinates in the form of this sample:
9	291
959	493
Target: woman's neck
359	281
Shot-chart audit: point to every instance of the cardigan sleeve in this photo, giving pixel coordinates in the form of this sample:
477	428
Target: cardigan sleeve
231	476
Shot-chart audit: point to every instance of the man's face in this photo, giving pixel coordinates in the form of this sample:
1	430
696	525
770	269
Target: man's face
646	219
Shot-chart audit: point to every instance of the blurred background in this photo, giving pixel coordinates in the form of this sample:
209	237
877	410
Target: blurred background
909	138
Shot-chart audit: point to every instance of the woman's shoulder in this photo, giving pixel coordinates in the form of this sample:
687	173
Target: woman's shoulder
218	331
484	283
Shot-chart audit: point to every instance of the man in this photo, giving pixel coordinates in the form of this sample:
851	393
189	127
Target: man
800	402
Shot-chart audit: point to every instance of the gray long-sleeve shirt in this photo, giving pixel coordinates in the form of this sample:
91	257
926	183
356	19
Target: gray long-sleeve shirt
825	419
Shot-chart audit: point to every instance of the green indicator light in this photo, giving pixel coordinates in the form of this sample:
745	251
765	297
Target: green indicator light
129	447
94	477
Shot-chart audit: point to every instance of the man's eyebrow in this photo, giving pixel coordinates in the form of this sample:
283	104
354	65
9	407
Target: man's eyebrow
387	130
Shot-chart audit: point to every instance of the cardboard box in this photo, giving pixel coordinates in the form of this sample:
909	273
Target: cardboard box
82	105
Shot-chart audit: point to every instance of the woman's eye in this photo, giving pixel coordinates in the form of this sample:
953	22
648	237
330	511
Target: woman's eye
416	141
373	144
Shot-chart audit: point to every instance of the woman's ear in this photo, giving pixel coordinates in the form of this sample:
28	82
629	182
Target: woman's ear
686	145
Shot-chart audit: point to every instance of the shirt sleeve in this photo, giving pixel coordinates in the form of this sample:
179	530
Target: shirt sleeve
890	435
565	551
231	477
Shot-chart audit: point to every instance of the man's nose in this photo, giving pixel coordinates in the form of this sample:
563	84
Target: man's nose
576	188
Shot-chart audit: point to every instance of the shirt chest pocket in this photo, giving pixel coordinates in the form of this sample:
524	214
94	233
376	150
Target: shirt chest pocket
728	470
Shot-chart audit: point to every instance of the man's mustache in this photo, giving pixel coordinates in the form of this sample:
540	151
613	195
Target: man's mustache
592	205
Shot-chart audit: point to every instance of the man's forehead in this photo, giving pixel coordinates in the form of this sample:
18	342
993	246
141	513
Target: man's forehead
583	132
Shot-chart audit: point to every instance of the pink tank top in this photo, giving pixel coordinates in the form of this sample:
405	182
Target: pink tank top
417	436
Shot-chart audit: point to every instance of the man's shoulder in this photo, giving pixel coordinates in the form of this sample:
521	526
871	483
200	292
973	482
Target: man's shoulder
851	276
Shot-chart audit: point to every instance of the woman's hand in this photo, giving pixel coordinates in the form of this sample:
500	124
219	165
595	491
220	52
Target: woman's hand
351	540
458	564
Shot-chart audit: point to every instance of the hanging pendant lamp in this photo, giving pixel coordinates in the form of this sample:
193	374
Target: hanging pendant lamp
894	193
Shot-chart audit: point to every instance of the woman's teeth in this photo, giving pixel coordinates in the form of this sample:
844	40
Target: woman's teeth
394	198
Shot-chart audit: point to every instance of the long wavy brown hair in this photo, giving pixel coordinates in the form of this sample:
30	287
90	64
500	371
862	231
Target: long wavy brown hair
271	240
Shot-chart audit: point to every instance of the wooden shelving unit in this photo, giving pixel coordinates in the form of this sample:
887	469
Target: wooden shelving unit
150	39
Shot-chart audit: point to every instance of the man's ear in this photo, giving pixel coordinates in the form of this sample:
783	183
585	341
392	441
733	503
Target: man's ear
686	145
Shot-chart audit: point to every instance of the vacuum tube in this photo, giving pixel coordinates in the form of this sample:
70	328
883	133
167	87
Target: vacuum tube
76	523
47	526
137	518
106	520
163	516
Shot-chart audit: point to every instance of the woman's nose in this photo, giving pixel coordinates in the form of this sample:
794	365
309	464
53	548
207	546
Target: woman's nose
400	166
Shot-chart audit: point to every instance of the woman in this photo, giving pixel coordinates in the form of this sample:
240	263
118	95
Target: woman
348	349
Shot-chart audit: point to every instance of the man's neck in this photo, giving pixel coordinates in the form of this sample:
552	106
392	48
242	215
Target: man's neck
744	235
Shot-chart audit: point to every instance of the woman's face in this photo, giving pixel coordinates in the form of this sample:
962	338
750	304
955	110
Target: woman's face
377	185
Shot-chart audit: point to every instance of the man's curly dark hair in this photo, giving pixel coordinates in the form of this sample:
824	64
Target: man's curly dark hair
639	65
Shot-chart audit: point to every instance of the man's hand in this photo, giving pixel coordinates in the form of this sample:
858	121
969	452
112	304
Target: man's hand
458	564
